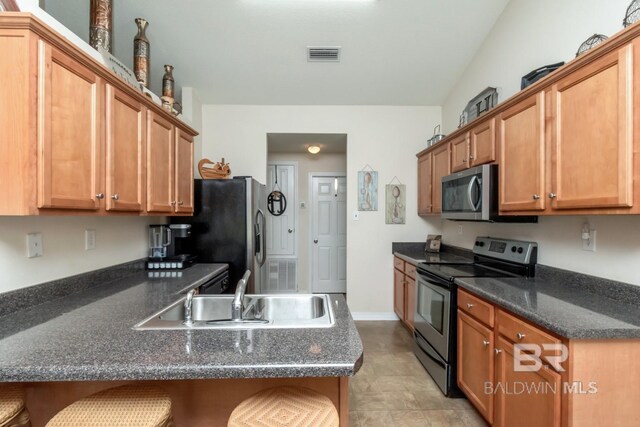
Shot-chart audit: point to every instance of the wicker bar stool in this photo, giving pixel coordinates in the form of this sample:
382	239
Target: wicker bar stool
285	407
12	410
125	406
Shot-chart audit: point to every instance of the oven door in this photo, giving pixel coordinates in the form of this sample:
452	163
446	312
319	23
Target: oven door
433	311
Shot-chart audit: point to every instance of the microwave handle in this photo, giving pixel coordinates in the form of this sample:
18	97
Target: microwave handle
474	181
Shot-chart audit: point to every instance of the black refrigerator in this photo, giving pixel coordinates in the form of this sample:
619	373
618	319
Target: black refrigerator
228	226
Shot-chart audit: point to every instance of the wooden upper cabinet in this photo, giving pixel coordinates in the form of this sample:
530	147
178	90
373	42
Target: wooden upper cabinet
160	164
521	135
538	402
460	153
425	184
482	143
441	168
592	134
125	149
69	141
184	172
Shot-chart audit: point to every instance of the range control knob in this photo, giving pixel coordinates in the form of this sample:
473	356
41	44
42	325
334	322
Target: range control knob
520	250
480	243
513	249
477	243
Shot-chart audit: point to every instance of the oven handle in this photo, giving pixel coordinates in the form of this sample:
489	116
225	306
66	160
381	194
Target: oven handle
426	348
429	280
474	181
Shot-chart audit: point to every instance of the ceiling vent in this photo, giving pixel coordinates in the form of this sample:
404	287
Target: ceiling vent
323	54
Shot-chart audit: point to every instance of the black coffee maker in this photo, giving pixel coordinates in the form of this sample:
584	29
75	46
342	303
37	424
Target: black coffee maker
163	239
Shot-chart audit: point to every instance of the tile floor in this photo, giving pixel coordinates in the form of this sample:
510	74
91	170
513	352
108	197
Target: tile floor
392	389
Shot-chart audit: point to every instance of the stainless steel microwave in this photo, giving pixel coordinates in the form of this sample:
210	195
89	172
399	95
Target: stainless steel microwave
472	195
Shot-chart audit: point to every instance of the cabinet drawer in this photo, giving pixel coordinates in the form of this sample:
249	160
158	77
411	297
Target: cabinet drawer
410	270
474	306
398	263
521	332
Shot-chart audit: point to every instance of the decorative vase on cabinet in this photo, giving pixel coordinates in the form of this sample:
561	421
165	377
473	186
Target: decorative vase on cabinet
141	53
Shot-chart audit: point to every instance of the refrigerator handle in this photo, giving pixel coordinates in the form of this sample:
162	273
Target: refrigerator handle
261	252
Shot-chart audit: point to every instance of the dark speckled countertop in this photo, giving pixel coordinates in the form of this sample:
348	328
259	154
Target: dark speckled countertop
572	305
87	336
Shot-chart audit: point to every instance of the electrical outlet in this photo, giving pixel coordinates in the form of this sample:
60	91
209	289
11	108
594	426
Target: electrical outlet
89	240
303	205
356	216
459	229
34	245
590	243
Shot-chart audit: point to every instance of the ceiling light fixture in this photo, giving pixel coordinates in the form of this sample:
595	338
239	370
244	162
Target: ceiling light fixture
313	149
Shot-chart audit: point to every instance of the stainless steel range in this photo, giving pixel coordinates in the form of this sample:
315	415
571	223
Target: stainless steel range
436	300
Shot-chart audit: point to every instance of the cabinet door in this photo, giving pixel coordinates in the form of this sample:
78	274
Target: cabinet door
482	143
522	156
475	363
160	164
592	135
410	301
441	168
398	293
184	172
460	153
69	143
125	152
425	185
525	398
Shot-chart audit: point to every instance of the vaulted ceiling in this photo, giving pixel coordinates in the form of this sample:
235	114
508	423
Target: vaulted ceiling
394	52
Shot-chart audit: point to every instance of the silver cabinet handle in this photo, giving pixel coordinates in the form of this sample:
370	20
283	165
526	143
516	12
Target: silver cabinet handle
469	306
536	197
464	160
290	230
552	195
520	335
180	203
471	157
173	202
497	350
115	197
485	343
100	196
315	241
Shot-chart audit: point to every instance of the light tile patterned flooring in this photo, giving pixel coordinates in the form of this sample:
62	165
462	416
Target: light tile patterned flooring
392	389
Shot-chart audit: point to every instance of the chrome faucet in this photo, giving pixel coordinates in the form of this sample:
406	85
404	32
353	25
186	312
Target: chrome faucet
237	307
188	304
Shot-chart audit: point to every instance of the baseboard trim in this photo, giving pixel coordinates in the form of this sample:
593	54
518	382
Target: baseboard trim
374	316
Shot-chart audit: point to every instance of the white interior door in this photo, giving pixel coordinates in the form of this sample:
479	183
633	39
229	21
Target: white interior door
329	235
281	240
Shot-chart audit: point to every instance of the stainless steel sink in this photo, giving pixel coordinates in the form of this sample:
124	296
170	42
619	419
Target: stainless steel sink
261	311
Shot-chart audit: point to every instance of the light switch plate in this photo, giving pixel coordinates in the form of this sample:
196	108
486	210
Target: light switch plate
34	245
356	216
89	240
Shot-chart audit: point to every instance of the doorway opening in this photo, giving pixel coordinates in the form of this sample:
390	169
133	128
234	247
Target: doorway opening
306	243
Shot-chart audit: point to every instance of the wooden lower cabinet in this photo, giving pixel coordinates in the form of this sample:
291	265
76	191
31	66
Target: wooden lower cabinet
476	363
404	291
527	399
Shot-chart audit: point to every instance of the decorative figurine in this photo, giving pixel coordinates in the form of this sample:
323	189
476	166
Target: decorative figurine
100	24
141	50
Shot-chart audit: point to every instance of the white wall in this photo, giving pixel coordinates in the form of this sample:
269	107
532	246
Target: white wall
307	163
118	240
527	35
387	138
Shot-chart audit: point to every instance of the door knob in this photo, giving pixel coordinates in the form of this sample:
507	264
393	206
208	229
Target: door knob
497	350
485	343
115	197
180	203
290	230
469	306
100	196
552	195
315	241
520	335
536	197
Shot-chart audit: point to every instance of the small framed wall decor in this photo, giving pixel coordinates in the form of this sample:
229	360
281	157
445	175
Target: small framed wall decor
395	202
367	189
